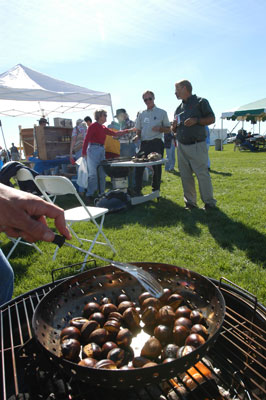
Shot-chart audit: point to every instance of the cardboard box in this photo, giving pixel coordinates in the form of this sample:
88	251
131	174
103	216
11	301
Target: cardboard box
63	123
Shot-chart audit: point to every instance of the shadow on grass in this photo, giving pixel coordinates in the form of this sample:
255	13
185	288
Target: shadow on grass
227	232
212	171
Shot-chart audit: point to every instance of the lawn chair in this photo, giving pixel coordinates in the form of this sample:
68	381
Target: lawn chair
24	175
60	185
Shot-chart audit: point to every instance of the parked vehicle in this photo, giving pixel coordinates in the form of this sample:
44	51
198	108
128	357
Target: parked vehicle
231	137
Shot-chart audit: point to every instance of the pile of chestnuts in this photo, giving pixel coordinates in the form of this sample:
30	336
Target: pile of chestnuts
102	336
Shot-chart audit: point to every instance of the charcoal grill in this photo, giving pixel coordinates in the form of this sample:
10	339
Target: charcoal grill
238	359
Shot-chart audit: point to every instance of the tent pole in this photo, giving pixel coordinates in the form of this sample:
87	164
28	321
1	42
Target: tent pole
112	111
7	153
221	134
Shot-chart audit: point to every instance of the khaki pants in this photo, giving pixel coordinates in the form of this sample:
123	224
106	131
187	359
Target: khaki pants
194	158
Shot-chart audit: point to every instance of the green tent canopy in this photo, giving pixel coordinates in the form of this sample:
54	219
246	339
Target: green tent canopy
252	112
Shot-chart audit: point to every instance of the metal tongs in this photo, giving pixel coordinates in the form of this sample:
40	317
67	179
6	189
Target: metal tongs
144	278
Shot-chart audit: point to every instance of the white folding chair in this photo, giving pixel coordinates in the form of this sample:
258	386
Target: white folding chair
22	174
60	185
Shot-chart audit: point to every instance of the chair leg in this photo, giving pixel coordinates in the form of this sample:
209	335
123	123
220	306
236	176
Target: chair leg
16	242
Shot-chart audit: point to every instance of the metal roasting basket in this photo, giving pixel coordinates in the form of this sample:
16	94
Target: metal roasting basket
67	301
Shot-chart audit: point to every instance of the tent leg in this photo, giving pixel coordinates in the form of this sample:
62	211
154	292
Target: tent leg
4	141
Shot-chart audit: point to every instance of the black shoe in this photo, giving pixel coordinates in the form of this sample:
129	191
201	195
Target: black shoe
209	207
89	201
189	206
136	193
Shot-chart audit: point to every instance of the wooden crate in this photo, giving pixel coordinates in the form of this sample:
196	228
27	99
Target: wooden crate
27	141
52	141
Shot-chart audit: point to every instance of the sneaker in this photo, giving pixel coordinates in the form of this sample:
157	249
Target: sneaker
189	206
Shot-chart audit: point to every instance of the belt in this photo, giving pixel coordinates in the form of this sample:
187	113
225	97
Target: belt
96	144
193	142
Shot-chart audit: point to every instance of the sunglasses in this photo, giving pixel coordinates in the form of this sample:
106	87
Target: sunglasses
148	99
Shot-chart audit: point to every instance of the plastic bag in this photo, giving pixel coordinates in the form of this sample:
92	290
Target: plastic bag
83	173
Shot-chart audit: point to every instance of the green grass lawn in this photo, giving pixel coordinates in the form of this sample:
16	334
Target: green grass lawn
230	242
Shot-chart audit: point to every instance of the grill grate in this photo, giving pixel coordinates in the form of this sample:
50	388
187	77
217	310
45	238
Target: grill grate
238	357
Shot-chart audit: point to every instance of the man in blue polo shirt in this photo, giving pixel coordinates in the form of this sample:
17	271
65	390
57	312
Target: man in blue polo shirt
191	118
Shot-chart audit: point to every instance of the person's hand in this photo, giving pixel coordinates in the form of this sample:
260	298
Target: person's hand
72	160
191	121
135	138
23	215
123	132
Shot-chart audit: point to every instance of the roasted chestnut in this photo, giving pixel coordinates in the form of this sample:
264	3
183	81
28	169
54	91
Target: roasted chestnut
88	362
98	336
184	350
194	340
138	362
87	329
182	311
180	333
129	354
98	317
169	351
124	338
92	350
127	367
150	364
107	346
163	333
70	332
143	296
167	360
105	300
132	319
183	321
149	315
201	330
175	300
124	305
117	355
106	309
70	349
166	316
122	297
116	316
90	308
112	325
166	294
78	322
151	349
105	364
151	301
196	317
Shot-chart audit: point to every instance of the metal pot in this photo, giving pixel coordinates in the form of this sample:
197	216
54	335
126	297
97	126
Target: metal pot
67	301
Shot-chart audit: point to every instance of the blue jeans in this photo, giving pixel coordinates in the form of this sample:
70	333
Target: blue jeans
170	153
95	154
6	279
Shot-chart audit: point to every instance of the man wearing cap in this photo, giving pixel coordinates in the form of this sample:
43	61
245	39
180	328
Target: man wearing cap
127	146
191	118
151	124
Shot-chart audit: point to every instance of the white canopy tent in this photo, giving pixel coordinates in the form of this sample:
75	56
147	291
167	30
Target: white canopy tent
28	93
25	92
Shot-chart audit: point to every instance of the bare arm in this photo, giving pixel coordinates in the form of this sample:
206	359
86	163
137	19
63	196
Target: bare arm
23	214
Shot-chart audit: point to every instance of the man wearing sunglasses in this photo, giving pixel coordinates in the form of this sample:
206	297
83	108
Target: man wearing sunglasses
151	124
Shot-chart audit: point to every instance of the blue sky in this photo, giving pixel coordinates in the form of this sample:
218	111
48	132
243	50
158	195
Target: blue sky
125	47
